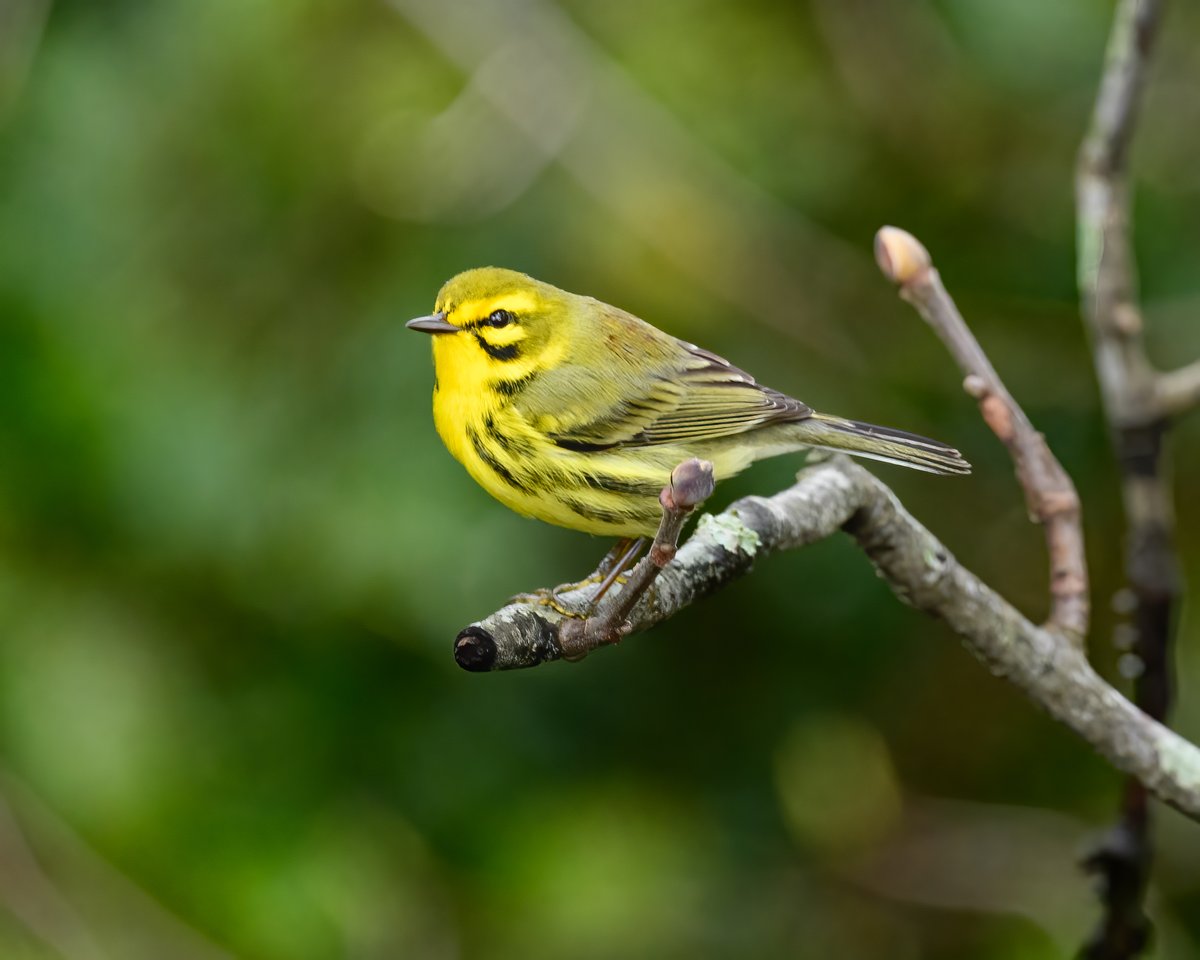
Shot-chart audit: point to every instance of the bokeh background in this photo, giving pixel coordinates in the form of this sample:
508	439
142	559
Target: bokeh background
234	554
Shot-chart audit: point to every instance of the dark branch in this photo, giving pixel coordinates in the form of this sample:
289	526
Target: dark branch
1137	401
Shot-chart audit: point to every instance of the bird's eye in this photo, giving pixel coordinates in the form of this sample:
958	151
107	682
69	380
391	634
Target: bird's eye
500	318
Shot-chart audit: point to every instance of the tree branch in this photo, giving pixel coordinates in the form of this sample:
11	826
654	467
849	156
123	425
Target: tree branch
1137	401
527	632
1049	493
840	495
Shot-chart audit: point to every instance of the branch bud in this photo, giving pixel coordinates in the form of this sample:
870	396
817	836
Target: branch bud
900	255
1127	320
691	484
975	386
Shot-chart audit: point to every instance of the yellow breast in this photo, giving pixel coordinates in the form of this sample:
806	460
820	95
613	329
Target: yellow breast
608	494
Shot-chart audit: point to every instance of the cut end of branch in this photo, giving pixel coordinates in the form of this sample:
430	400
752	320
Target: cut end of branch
475	650
900	255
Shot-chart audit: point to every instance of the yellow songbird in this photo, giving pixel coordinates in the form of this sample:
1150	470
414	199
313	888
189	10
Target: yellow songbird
575	412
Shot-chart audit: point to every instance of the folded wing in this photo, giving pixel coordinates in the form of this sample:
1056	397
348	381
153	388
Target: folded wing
688	395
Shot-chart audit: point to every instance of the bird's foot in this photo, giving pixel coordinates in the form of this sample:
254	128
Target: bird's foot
611	570
552	597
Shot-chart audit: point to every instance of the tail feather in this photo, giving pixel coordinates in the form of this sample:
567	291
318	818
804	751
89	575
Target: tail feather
881	443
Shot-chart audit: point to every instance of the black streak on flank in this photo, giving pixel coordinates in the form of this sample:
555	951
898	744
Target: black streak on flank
494	434
508	352
637	488
493	464
517	446
591	512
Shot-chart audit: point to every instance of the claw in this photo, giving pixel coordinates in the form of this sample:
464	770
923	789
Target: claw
610	571
544	597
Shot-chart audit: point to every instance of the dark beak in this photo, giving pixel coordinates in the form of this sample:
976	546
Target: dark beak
432	324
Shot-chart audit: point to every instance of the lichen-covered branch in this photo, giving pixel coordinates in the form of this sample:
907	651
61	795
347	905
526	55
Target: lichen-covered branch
528	631
840	495
1049	493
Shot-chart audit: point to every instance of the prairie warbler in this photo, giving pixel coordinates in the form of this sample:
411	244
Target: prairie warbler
574	412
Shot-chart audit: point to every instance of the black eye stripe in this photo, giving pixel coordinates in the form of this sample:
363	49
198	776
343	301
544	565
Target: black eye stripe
509	352
496	319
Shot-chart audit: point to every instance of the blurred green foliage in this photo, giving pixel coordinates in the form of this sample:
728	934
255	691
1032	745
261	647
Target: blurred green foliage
234	552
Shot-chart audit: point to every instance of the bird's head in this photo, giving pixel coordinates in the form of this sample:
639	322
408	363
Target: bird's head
490	322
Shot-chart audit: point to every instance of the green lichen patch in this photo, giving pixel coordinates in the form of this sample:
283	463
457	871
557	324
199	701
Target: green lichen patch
729	532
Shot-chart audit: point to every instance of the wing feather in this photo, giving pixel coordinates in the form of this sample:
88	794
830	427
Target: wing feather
684	395
719	400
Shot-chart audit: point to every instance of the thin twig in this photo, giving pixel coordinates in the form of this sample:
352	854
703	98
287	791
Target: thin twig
1137	402
1049	493
34	900
72	898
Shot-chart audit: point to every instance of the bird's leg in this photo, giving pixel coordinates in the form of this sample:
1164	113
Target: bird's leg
619	566
614	562
691	484
617	559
